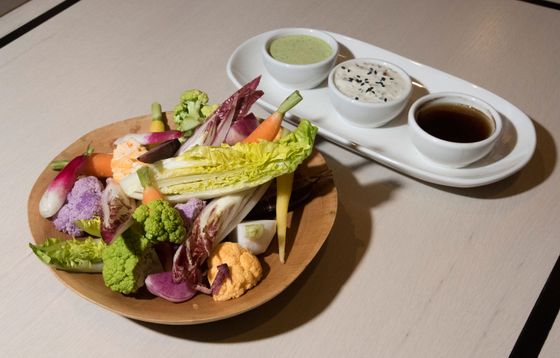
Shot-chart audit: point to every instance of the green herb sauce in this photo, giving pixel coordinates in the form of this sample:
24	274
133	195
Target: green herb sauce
299	49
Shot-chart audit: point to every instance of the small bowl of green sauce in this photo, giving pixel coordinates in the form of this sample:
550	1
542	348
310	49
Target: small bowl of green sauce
299	58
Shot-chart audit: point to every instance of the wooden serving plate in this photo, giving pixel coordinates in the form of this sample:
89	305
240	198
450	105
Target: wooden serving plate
309	227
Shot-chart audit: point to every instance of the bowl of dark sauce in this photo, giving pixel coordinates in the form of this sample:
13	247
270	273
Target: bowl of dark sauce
453	129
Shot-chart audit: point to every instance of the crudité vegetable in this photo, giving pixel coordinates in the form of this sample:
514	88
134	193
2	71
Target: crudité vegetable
156	211
83	255
210	171
157	124
151	137
54	197
150	191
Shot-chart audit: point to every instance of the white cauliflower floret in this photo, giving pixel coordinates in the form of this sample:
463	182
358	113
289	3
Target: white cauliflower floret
245	270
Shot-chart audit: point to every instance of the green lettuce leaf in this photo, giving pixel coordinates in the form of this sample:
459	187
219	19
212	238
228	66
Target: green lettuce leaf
207	172
80	255
90	226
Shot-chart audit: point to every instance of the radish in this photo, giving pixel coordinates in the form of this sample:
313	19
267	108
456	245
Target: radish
55	195
255	235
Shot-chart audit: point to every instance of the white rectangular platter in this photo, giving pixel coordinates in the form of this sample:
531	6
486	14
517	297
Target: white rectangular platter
390	145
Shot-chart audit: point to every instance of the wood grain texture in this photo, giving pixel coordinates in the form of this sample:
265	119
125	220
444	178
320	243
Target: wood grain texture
309	228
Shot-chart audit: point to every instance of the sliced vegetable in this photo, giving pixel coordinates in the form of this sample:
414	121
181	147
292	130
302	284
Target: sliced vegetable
79	255
162	285
150	138
161	151
55	195
255	235
208	172
150	193
284	190
157	124
270	127
117	211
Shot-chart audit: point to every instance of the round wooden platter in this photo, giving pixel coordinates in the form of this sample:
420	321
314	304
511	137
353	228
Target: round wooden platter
308	229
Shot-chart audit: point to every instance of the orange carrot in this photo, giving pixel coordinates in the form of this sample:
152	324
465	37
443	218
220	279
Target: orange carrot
99	165
270	127
151	193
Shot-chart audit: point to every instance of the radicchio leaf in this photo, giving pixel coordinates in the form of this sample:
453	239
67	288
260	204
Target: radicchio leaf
117	211
241	129
221	276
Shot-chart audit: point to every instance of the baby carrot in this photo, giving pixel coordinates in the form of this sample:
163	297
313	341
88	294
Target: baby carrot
270	127
99	165
151	193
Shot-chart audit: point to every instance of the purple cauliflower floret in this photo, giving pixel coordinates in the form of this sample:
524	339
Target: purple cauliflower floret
83	202
189	211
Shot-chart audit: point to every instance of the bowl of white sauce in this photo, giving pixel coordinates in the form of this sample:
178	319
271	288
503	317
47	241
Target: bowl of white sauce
368	92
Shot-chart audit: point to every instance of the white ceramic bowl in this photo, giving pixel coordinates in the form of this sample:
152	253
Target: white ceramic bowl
368	114
293	76
447	153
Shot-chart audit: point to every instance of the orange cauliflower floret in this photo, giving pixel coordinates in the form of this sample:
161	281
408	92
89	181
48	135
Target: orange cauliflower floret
124	159
245	270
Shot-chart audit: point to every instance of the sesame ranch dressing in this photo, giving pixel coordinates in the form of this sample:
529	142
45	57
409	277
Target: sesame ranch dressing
369	82
299	49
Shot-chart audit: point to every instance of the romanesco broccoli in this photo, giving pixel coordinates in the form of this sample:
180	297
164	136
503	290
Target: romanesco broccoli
160	221
192	110
127	262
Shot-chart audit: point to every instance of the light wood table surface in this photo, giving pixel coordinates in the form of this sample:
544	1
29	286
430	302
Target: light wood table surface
409	269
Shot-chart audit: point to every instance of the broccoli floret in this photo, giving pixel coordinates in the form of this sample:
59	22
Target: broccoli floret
209	109
192	110
127	261
160	221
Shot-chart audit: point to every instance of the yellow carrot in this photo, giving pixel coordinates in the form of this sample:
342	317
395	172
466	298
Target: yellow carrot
270	127
151	193
284	185
157	124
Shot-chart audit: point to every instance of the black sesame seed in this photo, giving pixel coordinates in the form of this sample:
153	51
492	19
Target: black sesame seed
356	98
385	100
343	67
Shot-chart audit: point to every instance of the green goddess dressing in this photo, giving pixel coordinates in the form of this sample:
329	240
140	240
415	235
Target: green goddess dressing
299	49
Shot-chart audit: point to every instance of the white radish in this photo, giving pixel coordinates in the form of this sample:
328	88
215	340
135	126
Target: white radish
255	235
